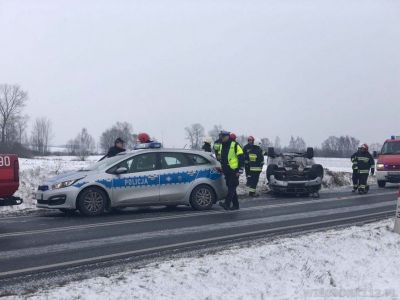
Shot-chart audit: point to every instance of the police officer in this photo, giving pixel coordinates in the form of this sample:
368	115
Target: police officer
232	162
365	163
207	145
254	156
246	148
217	146
114	150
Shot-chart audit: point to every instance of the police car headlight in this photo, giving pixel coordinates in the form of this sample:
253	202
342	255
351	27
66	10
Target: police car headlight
380	166
64	184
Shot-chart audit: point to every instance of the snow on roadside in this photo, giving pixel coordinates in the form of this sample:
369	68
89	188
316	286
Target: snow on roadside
353	263
34	171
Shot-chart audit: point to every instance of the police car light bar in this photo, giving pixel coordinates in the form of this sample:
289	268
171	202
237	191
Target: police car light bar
152	145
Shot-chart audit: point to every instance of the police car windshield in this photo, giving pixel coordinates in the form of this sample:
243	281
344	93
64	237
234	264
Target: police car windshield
105	163
391	148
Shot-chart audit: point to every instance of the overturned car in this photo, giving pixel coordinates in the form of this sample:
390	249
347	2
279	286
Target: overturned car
294	173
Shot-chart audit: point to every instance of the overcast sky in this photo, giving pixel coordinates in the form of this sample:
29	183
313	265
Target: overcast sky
311	68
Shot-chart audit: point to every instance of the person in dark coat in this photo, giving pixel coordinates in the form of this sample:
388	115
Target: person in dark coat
207	145
116	149
365	165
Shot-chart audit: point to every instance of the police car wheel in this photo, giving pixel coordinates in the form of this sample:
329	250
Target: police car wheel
92	202
202	198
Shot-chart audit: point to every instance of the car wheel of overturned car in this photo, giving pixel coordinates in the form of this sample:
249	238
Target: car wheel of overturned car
202	197
310	153
271	152
92	201
271	170
317	171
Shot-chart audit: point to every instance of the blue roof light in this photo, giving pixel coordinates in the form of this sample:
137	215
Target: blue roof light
151	145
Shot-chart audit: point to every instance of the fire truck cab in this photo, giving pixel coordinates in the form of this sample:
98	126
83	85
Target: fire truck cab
9	179
388	162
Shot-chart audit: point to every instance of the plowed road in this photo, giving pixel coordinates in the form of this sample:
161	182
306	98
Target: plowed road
51	241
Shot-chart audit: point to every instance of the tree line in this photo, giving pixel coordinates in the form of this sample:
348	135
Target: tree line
333	146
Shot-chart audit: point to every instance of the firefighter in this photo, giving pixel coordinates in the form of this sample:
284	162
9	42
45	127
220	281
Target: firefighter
144	138
254	156
247	148
355	170
365	164
114	150
207	145
233	136
232	162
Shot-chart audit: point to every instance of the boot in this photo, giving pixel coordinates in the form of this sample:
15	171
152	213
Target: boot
223	205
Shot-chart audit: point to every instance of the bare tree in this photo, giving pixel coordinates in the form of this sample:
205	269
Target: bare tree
195	135
41	135
277	143
342	146
12	101
265	143
82	145
296	144
122	130
214	132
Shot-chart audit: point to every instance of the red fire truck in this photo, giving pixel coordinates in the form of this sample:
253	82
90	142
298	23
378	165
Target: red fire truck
9	179
388	164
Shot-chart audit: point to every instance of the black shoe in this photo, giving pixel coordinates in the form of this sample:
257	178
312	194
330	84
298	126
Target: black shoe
234	208
223	205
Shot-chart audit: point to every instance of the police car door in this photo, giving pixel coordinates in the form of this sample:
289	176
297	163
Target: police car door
140	184
176	176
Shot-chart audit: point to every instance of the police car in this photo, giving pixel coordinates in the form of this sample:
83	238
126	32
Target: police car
144	177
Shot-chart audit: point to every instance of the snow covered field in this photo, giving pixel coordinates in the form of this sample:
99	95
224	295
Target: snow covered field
35	171
353	263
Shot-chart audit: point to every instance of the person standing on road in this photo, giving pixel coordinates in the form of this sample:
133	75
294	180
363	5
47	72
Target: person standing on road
246	149
365	164
355	170
232	162
254	156
217	147
116	149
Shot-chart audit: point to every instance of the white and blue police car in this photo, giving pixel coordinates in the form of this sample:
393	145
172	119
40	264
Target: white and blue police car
148	176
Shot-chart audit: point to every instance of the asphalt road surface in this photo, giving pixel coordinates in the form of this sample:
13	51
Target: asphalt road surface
50	241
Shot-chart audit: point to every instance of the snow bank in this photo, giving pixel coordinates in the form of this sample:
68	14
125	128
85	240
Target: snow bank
35	171
353	263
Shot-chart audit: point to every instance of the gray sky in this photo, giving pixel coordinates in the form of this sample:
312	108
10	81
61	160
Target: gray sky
312	68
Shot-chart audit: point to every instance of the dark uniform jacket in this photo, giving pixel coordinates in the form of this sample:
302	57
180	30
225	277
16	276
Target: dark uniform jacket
362	161
253	157
206	147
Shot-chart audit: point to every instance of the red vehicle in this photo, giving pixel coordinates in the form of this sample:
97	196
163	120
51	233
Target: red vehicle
9	179
388	164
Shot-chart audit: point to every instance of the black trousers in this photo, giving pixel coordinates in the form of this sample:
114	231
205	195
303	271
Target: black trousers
362	180
247	172
232	182
253	179
355	179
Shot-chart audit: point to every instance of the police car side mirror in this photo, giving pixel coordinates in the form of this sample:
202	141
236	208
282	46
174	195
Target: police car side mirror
121	170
